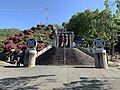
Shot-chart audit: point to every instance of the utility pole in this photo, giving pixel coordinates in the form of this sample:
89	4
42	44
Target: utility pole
46	16
64	46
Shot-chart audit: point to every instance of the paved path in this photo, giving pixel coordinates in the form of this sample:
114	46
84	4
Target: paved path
59	78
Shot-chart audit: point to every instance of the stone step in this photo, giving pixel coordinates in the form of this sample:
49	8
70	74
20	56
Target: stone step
55	56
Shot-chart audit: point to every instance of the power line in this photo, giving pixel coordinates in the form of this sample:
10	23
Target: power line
22	9
37	9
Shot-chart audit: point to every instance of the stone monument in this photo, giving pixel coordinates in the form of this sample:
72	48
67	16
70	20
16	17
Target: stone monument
30	53
100	53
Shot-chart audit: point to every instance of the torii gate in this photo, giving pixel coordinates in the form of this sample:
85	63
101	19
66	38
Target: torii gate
65	38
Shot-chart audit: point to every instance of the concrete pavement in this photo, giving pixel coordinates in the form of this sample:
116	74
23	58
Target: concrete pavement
59	78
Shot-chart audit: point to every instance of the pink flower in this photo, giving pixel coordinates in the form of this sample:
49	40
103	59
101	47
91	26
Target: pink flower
18	50
20	37
24	43
27	32
7	41
27	36
40	46
9	46
21	46
11	38
14	38
16	34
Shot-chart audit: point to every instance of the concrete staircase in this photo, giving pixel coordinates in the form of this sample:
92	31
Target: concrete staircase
55	56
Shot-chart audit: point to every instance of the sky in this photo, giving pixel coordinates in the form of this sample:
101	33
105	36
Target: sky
23	14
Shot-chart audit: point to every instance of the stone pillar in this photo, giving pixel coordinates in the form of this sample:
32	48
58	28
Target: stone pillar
70	38
30	53
30	58
57	41
100	59
26	59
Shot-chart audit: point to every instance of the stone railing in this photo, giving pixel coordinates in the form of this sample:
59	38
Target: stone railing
90	53
44	50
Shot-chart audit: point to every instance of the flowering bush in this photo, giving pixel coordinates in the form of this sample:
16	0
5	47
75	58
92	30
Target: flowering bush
16	38
27	36
33	28
17	42
27	32
7	41
40	46
2	45
21	46
9	47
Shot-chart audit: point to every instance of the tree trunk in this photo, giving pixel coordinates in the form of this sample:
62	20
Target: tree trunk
112	51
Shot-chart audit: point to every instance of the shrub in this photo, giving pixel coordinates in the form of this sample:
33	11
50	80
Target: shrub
2	45
9	47
7	41
40	46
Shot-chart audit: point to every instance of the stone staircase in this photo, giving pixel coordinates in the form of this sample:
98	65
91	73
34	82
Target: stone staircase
58	57
55	56
46	58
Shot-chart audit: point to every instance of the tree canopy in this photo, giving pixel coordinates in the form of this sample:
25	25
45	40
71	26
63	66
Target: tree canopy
105	24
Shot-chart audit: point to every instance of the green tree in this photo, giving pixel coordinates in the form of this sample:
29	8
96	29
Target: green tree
114	26
92	24
80	23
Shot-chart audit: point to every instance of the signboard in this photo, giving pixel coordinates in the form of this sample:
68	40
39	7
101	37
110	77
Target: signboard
31	43
99	43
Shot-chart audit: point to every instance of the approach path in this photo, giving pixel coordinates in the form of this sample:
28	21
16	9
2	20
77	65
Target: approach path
59	78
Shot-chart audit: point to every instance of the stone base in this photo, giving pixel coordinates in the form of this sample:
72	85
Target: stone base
30	58
100	59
